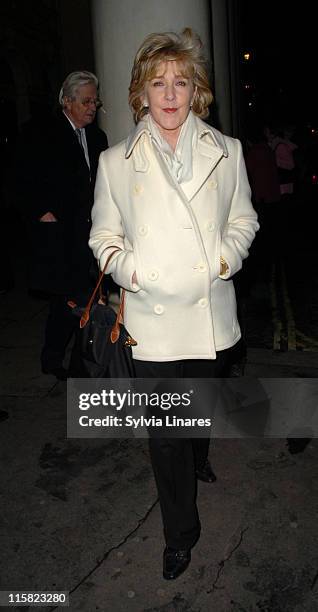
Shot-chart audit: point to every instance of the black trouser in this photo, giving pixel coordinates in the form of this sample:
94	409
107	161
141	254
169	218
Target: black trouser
174	461
60	327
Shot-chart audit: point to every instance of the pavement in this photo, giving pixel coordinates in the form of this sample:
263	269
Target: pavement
82	515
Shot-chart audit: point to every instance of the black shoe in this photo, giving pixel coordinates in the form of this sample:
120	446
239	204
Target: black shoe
175	562
206	473
60	373
237	370
297	445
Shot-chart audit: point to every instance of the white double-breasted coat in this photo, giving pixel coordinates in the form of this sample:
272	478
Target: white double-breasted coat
173	236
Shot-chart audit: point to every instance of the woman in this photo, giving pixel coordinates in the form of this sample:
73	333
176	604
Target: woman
175	198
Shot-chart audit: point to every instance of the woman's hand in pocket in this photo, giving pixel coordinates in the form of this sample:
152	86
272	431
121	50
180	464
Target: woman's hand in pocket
48	218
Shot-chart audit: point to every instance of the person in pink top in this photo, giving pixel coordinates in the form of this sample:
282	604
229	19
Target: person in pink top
261	167
264	181
281	143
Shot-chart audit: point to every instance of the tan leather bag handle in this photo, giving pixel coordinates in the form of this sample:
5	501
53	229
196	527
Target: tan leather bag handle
115	332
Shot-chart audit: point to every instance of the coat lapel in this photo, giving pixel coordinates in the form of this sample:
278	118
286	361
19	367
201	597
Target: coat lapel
203	164
93	151
73	145
208	151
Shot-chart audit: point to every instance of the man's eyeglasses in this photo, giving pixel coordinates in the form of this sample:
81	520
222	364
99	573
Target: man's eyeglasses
88	101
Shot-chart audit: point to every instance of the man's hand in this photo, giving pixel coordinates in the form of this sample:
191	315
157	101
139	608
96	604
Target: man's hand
48	218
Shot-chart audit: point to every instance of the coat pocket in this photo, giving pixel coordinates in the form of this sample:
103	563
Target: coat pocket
215	264
139	268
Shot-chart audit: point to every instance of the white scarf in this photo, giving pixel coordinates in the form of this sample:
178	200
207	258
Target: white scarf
179	162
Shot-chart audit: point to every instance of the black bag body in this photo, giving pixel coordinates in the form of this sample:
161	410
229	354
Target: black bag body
105	343
103	358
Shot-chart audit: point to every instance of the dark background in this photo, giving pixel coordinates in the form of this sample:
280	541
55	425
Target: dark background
39	45
282	71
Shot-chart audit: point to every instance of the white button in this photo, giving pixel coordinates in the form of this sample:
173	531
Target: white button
201	267
159	309
212	184
138	189
143	230
153	275
211	226
203	302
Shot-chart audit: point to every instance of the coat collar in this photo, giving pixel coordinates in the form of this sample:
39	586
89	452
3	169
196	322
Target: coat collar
209	138
208	151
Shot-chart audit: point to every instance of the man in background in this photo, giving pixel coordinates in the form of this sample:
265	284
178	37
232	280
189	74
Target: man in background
58	161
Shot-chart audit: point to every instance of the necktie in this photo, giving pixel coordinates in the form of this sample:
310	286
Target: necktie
78	133
79	137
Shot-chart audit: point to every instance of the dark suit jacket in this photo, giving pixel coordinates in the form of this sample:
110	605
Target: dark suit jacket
55	177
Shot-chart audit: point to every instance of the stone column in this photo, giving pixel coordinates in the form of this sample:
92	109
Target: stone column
225	65
119	27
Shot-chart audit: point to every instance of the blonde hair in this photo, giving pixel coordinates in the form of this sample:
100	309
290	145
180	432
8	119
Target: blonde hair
184	48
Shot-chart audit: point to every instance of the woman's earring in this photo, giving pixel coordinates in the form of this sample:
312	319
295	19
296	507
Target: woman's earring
145	105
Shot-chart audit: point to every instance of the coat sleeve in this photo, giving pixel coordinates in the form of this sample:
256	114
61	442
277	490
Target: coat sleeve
34	174
242	224
107	231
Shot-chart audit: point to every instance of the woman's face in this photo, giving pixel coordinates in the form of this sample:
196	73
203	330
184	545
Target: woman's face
169	96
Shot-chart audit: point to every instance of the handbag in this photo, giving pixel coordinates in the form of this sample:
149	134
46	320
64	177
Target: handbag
106	345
